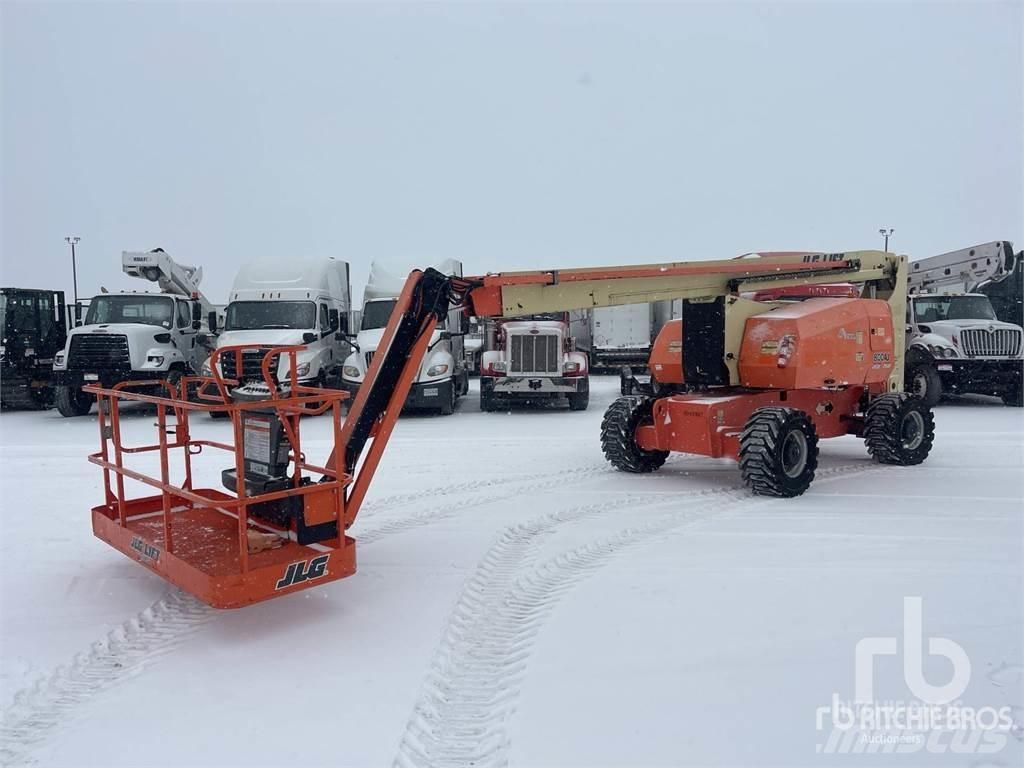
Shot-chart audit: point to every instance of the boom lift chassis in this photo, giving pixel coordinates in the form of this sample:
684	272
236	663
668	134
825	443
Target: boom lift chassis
202	539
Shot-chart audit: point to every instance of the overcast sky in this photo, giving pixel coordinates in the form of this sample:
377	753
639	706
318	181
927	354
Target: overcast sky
507	136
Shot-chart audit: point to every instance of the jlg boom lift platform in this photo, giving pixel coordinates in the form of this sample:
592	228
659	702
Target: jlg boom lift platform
757	381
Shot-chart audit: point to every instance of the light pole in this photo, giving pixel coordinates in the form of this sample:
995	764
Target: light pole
886	233
74	271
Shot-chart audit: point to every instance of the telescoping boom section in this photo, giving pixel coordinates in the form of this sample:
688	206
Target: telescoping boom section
758	381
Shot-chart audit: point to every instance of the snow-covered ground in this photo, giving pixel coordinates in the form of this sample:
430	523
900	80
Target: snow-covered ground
517	601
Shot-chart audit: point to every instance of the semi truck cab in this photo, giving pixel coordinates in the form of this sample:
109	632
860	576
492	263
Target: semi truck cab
278	303
442	377
532	359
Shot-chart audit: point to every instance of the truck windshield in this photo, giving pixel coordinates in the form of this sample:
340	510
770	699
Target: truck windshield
150	310
376	314
932	309
254	315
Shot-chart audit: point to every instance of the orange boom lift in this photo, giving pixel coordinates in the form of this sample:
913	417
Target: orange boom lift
760	381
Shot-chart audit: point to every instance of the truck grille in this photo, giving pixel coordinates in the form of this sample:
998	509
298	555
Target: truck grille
252	362
1002	342
535	353
99	352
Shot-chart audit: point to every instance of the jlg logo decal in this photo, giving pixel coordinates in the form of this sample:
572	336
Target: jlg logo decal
146	551
305	570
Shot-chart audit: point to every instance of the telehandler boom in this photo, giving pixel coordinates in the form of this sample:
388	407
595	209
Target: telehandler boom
758	381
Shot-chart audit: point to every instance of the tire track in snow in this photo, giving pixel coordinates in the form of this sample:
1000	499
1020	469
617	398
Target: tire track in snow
472	687
376	506
447	510
37	711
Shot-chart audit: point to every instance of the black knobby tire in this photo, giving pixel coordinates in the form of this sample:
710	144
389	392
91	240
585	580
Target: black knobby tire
923	381
899	429
778	452
72	401
618	436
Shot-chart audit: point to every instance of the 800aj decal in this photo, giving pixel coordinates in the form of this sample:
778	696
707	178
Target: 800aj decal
304	570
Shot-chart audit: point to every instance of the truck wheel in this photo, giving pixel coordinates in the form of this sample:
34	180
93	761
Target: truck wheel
924	381
625	381
174	377
579	400
72	401
618	436
899	429
1013	397
448	406
487	404
778	452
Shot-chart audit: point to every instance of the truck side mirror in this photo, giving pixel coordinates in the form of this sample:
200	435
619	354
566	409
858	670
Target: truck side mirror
309	338
197	316
445	336
211	321
333	320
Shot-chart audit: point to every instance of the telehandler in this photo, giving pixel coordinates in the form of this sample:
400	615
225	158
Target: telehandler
758	381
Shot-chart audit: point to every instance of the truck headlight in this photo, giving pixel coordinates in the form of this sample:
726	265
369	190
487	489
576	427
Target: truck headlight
302	369
437	370
58	359
351	372
938	351
570	368
499	366
155	359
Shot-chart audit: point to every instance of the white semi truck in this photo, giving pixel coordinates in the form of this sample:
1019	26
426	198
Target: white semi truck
443	377
534	359
136	336
956	343
285	302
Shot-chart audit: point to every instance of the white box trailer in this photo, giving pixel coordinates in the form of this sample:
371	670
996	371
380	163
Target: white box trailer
621	336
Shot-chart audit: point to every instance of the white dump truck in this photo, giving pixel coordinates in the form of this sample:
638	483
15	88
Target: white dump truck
286	302
955	341
443	377
136	336
534	359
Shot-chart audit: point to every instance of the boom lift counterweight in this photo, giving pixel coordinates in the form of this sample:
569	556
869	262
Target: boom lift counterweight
758	381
